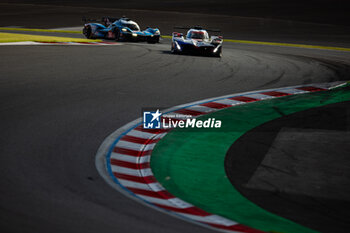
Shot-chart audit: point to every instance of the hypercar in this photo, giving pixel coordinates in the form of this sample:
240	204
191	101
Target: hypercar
122	29
197	41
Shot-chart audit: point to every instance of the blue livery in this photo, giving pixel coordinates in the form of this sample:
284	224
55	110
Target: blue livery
122	29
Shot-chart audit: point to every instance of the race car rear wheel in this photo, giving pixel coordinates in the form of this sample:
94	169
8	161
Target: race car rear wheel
87	31
117	34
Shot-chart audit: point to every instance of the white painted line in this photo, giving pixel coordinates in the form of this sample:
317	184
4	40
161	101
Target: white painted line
129	158
167	202
215	219
21	43
292	91
329	85
156	187
130	171
228	102
180	203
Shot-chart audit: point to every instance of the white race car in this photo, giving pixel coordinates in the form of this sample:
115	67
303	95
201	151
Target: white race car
197	41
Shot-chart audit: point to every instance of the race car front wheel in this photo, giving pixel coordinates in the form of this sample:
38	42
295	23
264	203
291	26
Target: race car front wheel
218	53
153	40
173	50
87	32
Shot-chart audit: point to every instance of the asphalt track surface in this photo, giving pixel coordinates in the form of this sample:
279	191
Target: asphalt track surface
58	103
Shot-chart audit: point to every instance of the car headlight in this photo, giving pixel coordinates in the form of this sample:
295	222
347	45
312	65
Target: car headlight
134	34
124	29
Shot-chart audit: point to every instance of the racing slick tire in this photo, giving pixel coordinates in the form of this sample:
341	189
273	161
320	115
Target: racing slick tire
173	49
87	32
153	40
219	53
117	34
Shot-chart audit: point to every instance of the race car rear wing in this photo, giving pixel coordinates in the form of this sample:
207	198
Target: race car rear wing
177	34
104	20
216	39
198	28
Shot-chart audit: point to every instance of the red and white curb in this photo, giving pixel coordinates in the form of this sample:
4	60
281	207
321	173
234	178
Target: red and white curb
123	159
60	43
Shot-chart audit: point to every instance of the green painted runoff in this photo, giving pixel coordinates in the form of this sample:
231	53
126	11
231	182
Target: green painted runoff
189	163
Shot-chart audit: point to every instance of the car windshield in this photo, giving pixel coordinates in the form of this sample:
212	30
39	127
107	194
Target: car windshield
133	27
197	35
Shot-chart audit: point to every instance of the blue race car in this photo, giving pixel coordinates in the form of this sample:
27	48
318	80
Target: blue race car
122	29
197	41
